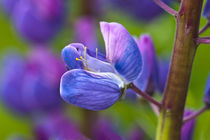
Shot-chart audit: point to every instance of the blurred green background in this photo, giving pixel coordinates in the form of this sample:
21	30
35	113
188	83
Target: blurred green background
125	113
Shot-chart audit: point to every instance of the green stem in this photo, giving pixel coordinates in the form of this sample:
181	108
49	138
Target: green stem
171	113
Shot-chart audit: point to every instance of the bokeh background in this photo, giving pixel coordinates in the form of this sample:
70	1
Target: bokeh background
124	114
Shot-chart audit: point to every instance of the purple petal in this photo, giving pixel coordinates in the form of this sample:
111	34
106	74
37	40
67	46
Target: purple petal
188	128
148	79
89	90
121	50
9	6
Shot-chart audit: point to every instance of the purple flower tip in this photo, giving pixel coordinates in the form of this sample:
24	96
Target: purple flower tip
188	127
207	92
206	12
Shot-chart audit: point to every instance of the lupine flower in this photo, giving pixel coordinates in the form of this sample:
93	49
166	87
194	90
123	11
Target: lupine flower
32	84
207	92
104	131
94	84
56	126
145	10
38	21
148	79
206	12
188	127
163	74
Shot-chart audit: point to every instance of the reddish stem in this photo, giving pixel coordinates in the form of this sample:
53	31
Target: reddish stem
166	7
202	41
144	95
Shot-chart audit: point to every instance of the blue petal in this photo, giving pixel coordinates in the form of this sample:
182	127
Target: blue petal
206	12
122	50
89	90
69	54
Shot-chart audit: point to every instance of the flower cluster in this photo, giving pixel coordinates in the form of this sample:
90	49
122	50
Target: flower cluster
30	86
38	21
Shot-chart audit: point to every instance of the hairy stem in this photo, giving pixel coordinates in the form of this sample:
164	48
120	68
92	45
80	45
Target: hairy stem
194	115
171	113
165	7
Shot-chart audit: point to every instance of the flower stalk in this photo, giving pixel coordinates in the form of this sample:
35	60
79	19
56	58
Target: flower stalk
203	40
204	28
173	103
144	95
165	7
194	115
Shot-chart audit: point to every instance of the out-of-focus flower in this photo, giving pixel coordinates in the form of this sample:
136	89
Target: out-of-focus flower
148	79
32	84
57	127
85	32
135	134
207	92
163	74
103	130
97	85
188	127
9	6
145	10
38	21
206	12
